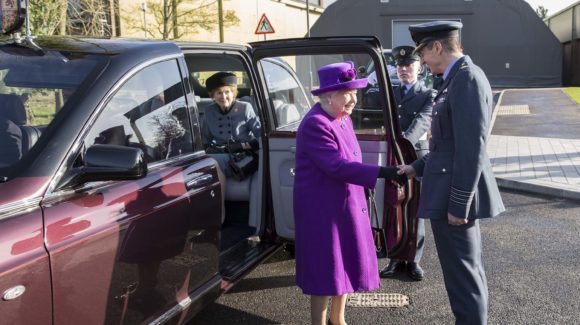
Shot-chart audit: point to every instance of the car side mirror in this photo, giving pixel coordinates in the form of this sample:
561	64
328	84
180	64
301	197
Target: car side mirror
105	162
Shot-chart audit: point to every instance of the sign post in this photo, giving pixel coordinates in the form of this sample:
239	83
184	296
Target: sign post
264	27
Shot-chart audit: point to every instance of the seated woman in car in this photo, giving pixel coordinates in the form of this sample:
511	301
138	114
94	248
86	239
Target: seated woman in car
230	126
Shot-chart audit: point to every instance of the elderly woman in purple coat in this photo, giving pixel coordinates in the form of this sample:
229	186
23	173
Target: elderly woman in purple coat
335	253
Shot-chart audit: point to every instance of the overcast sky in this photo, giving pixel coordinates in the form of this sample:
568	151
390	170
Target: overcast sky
553	6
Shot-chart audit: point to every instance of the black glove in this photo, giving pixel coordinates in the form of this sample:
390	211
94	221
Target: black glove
235	146
390	173
215	149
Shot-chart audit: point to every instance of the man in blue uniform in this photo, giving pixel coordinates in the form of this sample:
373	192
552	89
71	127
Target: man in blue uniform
458	186
414	105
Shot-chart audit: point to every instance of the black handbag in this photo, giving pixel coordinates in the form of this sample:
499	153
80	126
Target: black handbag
243	164
379	235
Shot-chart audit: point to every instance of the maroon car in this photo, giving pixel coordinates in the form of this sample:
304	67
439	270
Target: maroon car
111	210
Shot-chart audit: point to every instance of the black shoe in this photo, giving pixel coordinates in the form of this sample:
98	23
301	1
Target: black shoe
415	271
392	268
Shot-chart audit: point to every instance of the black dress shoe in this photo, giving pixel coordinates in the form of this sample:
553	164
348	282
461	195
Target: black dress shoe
392	268
415	271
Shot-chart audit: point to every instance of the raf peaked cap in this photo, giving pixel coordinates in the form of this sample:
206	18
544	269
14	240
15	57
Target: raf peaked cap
433	30
404	55
220	79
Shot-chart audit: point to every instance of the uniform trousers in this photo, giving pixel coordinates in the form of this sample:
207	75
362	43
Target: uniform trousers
420	240
460	256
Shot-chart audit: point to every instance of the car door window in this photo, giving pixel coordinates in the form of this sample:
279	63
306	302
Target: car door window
289	101
287	97
149	111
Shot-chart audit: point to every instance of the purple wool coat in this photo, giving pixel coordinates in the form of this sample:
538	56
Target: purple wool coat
334	249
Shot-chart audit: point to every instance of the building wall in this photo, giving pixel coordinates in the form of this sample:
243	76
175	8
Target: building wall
287	17
504	37
565	24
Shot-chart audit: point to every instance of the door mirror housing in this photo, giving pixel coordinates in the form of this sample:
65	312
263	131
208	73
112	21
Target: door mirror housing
105	162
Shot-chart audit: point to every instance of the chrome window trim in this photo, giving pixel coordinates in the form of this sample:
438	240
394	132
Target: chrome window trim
58	195
21	206
186	302
77	144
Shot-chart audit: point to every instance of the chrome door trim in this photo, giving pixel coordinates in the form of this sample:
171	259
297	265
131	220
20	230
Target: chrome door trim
187	301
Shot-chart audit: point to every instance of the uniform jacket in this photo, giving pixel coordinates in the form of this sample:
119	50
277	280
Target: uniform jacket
239	123
415	115
457	173
334	249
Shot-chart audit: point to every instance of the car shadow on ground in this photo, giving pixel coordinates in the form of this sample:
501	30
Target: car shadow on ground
219	314
256	284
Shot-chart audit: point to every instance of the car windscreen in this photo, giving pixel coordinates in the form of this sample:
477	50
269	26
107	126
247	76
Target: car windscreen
34	86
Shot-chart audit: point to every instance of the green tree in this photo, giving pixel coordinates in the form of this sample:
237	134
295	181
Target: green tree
172	19
542	12
47	17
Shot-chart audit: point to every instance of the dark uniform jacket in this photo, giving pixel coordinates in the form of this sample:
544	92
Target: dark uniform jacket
415	115
457	173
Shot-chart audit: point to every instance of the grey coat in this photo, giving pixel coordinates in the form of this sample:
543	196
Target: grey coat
415	115
457	173
239	123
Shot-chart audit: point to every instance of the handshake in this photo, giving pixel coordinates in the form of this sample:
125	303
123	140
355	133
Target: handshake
399	174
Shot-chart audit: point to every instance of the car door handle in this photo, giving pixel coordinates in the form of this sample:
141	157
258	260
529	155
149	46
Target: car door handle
293	149
199	181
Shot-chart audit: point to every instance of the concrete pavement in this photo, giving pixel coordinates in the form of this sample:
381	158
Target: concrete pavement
534	144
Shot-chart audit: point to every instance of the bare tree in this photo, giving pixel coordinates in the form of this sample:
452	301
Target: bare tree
175	18
78	17
542	12
89	18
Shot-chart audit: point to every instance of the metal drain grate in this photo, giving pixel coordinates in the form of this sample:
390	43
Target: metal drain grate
513	110
389	300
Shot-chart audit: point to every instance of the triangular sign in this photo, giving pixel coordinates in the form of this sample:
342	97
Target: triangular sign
264	26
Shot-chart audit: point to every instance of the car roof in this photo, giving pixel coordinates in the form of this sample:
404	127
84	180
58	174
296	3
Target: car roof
98	46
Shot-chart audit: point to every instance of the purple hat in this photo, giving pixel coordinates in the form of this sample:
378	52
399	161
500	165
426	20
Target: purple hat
338	76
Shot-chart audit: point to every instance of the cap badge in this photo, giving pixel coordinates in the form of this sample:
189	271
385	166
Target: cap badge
402	52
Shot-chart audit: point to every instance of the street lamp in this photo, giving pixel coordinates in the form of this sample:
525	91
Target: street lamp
144	8
308	18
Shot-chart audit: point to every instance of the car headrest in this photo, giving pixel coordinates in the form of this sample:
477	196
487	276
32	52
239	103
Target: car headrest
12	108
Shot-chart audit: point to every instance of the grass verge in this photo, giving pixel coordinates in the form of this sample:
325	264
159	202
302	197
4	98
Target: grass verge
574	93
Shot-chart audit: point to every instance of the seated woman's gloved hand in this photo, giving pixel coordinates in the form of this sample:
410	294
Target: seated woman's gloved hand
235	146
390	173
215	149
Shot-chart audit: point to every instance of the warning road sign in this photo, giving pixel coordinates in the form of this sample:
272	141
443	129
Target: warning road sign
264	26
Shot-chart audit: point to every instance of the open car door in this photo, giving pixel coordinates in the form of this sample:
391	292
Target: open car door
287	71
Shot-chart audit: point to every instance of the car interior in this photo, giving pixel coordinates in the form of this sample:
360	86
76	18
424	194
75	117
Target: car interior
13	112
243	221
31	94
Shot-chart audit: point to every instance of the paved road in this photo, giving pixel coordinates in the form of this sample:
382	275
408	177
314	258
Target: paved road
535	142
551	115
532	263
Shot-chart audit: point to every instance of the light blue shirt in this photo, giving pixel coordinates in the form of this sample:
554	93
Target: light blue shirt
449	67
408	86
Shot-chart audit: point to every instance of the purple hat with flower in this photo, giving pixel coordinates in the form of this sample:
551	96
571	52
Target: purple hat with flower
338	76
